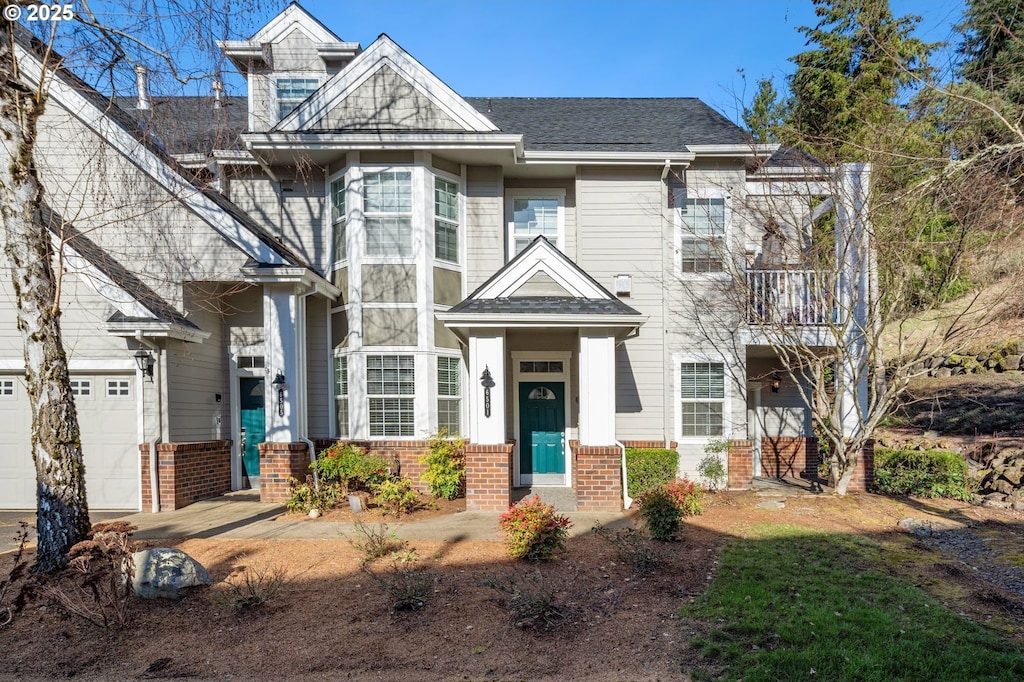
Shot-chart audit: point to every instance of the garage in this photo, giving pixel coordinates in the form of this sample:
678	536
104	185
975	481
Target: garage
107	415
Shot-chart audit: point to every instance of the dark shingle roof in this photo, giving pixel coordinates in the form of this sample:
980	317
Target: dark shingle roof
192	124
544	305
610	123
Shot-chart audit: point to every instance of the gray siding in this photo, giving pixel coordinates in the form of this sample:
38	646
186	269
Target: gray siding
318	371
485	215
197	372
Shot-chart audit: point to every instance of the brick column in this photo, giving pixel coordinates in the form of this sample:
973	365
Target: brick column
278	463
488	477
788	456
741	464
597	477
864	471
187	472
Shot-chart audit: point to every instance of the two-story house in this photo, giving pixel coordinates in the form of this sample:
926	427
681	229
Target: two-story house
355	251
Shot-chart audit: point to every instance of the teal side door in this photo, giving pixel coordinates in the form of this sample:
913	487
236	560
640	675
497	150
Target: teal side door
253	412
542	432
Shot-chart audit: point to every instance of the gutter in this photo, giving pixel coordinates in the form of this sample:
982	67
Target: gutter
627	501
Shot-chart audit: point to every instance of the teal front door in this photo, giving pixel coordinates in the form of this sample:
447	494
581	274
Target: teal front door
253	411
542	433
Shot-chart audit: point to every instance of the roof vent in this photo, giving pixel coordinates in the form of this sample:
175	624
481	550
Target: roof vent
142	87
218	88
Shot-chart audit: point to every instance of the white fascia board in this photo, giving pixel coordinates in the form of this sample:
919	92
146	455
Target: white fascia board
385	51
520	273
617	158
375	141
291	275
806	187
156	329
148	162
77	364
552	321
125	303
745	150
293	16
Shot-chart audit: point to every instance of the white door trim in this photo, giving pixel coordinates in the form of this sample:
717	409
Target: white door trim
518	479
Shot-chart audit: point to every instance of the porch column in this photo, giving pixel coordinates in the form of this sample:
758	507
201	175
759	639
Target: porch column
281	320
487	418
597	387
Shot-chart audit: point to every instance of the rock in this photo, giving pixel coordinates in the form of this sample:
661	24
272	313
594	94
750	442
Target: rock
995	504
942	372
994	497
920	527
163	572
1003	486
1017	506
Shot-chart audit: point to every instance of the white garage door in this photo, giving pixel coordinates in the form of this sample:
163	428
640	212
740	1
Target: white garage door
106	413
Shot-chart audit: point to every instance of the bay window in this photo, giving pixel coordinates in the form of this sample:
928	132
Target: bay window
387	213
391	389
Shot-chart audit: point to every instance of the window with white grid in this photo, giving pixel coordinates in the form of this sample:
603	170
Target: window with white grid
81	388
341	394
701	226
391	387
338	219
449	395
446	220
387	213
533	214
118	388
293	91
702	394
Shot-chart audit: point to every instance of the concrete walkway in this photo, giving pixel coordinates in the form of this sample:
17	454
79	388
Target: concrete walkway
241	515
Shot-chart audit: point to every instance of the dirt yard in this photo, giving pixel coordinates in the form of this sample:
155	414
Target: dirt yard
332	619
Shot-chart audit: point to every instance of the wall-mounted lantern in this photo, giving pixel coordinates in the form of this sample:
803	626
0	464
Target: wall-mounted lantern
279	384
488	383
145	362
776	382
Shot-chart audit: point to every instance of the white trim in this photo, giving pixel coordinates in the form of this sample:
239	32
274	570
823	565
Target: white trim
565	376
292	17
147	161
746	150
527	193
385	51
727	417
542	255
539	157
754	427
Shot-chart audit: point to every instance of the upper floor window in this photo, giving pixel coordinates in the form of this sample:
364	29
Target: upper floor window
292	91
533	214
387	212
338	216
446	220
701	223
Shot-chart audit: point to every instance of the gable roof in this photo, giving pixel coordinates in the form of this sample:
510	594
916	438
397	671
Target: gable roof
294	16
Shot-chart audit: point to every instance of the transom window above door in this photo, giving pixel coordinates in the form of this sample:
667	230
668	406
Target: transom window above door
533	215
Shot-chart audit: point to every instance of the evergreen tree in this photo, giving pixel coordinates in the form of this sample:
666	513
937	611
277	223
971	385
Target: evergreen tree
992	47
766	114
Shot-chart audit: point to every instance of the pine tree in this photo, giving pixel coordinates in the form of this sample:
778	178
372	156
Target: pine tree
766	114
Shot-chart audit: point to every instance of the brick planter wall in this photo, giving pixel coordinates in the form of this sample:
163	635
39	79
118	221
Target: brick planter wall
488	477
408	453
783	456
278	463
187	472
864	472
741	464
597	476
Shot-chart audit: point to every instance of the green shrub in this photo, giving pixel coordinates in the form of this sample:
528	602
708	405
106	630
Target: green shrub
305	496
660	514
925	473
350	467
711	468
533	530
446	466
647	468
396	495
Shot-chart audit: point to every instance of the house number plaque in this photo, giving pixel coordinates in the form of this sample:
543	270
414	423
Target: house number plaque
488	383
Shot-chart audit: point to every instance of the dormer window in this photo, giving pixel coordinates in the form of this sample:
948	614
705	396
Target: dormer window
293	91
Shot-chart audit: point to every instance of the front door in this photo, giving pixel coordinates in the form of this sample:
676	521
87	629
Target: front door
542	433
253	410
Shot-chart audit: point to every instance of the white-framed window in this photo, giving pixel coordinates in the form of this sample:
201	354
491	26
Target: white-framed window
339	217
81	388
446	220
534	213
6	388
250	362
293	91
449	395
391	390
387	213
118	388
341	394
702	399
701	224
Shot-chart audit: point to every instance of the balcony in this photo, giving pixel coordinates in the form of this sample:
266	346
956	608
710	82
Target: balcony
792	298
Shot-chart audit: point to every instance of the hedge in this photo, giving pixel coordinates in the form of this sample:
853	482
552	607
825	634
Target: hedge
648	468
925	473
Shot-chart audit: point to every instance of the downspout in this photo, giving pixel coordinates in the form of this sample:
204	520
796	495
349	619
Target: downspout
300	351
627	501
154	468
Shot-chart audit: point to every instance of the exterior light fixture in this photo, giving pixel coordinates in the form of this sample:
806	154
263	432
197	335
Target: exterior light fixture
279	384
776	382
145	362
487	381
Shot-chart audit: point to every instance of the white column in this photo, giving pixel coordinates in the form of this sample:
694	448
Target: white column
853	257
487	352
597	387
281	317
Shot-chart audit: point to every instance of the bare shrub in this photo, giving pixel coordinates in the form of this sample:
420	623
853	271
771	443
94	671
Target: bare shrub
632	547
533	603
375	541
254	585
17	571
407	588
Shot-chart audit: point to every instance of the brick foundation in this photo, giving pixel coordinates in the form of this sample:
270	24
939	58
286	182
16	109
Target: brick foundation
187	472
597	476
785	456
741	464
407	452
278	463
488	477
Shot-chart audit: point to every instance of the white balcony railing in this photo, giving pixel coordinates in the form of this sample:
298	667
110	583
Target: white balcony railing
787	297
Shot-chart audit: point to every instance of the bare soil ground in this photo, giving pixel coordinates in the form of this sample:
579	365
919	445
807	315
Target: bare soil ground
332	620
974	405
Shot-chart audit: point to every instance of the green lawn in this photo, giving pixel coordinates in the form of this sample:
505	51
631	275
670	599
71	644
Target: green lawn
791	604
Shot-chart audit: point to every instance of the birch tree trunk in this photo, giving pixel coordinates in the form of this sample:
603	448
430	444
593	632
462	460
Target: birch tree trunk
62	514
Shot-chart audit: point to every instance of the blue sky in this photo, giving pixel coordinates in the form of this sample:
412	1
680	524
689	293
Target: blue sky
714	50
